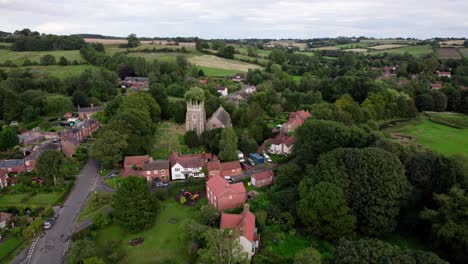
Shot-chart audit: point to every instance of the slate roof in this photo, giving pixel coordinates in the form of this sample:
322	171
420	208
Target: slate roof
135	160
222	116
91	109
156	165
11	163
192	160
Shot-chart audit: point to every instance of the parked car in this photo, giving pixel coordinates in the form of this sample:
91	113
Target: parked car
162	184
111	175
244	166
251	162
267	157
241	156
49	223
229	179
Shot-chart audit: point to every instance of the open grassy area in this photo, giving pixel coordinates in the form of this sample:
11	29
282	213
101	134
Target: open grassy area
417	51
453	119
161	56
387	41
162	241
51	198
8	247
464	52
18	57
435	136
57	71
221	63
353	45
217	72
96	203
169	137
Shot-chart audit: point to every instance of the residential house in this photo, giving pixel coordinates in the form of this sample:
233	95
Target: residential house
222	90
88	112
5	218
13	165
3	178
296	119
242	95
223	195
280	145
68	115
29	137
444	74
80	131
156	169
245	224
263	178
203	82
217	168
69	147
437	86
185	166
219	119
239	77
135	84
31	159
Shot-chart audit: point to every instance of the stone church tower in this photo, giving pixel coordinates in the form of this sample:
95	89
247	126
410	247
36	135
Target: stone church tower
196	117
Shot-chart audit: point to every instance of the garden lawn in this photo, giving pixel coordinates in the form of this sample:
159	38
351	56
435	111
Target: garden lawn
162	242
435	136
18	57
464	52
45	198
8	246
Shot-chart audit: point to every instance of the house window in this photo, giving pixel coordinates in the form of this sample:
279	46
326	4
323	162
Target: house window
177	169
156	172
148	172
230	197
195	174
163	171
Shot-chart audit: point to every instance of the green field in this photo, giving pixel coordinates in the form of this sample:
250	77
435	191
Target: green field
464	52
216	72
8	246
57	71
24	199
417	51
18	57
354	45
162	242
96	203
435	136
386	41
6	44
161	56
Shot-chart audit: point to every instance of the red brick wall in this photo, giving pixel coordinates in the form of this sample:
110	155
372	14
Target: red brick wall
264	182
232	173
225	203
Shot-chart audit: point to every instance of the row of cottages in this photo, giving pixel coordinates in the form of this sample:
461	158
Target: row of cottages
135	84
28	163
145	166
88	112
71	139
296	119
223	169
185	166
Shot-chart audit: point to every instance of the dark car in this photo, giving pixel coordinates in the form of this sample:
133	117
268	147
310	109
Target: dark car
49	223
111	174
244	166
162	184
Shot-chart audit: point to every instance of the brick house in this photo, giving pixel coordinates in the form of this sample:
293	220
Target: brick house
144	166
217	168
437	86
3	178
27	138
280	145
245	224
263	178
223	195
31	159
13	165
444	74
296	119
88	112
80	131
69	147
185	166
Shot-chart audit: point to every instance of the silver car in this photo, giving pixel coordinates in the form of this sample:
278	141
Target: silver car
49	223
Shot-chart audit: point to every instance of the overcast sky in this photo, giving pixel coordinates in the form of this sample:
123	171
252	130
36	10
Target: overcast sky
240	18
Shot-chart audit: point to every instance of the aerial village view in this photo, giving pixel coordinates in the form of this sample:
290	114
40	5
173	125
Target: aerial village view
220	132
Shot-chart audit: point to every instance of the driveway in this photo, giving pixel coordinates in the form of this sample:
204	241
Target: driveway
52	245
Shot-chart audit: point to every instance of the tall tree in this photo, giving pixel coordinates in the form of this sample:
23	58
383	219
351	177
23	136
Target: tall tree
132	41
308	256
8	138
221	247
49	166
133	204
81	250
323	209
228	145
108	148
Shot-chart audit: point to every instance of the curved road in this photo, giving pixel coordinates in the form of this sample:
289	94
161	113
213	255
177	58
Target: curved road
51	247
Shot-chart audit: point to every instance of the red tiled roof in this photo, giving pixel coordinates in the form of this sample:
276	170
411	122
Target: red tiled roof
213	166
136	160
231	165
192	160
3	175
219	186
280	139
437	86
5	216
263	175
245	222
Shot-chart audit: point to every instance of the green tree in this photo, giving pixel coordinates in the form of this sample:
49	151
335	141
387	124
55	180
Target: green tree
80	98
308	256
440	101
93	260
133	41
373	251
48	60
63	61
108	148
323	209
49	166
449	223
279	56
221	248
8	138
374	183
57	105
227	52
228	145
191	139
81	250
195	94
133	204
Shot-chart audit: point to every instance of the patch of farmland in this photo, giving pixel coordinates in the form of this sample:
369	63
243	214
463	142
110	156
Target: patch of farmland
161	56
326	48
450	43
113	41
286	43
449	53
416	51
387	41
386	46
221	63
18	57
464	52
358	50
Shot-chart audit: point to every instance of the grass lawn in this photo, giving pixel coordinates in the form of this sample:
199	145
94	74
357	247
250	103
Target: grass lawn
169	137
387	41
417	51
45	198
8	246
435	136
161	56
353	45
464	52
18	57
221	63
97	202
55	70
24	199
217	72
453	120
162	241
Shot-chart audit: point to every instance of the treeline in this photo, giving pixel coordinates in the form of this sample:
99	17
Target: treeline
27	40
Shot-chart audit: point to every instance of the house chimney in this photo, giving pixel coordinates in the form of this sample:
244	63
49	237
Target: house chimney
246	207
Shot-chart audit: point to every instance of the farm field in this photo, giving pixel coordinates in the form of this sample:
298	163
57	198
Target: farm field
244	57
326	48
18	57
57	71
353	45
113	41
161	56
451	43
417	51
387	41
217	62
216	72
449	53
162	243
435	136
357	50
464	52
386	46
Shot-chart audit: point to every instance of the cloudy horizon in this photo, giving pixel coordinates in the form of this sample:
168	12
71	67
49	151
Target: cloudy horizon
240	19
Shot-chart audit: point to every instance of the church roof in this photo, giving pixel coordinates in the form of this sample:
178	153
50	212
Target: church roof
222	116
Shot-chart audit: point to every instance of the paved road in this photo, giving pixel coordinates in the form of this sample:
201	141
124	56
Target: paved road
52	245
